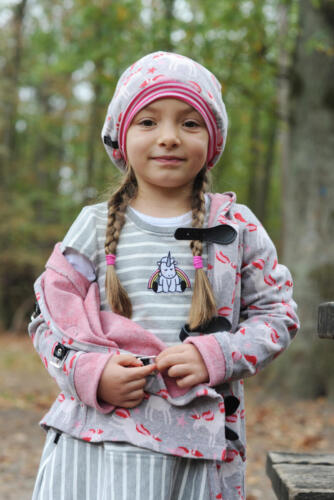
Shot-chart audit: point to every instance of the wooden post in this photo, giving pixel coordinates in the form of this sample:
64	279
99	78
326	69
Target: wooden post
326	320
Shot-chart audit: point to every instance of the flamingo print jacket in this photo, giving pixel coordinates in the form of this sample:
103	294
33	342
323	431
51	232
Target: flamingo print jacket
75	339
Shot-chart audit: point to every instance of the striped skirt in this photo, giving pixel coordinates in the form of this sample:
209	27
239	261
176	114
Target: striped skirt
72	469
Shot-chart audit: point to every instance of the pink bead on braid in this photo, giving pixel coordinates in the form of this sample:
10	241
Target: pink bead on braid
198	262
110	259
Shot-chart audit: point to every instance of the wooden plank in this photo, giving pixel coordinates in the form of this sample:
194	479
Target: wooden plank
283	457
301	476
326	320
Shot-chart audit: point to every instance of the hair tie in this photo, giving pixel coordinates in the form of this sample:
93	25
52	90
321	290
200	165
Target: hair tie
198	262
110	259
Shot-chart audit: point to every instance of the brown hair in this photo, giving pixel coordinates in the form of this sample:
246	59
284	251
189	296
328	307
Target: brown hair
203	306
117	296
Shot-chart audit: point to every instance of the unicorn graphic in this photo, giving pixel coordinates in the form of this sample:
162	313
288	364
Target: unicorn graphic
168	278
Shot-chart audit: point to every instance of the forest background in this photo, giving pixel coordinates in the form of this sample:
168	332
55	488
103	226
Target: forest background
59	64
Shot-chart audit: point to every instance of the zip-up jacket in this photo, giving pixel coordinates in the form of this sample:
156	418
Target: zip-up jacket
75	339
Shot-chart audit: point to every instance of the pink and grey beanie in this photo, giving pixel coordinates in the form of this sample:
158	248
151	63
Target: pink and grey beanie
160	75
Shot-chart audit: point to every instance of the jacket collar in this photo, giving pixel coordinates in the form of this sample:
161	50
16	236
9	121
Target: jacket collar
220	205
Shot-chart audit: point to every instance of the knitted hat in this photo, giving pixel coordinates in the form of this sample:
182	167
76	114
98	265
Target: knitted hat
161	75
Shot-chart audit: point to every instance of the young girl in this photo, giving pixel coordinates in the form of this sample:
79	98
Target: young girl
147	335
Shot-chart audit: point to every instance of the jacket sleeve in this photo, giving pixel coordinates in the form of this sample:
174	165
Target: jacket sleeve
78	373
268	320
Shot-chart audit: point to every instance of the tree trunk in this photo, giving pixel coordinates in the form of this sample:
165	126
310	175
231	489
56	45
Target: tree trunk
92	136
254	181
12	72
169	7
267	172
309	187
283	109
260	166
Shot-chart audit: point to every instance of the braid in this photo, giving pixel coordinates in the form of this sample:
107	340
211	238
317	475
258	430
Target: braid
198	208
203	306
117	296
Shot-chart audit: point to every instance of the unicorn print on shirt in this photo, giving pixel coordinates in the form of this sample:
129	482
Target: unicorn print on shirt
168	278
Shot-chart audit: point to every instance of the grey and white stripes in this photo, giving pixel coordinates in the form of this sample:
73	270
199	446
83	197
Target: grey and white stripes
74	469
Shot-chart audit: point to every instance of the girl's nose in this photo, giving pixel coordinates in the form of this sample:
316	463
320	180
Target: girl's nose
169	136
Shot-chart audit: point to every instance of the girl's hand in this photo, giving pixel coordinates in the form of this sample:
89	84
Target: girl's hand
185	363
122	381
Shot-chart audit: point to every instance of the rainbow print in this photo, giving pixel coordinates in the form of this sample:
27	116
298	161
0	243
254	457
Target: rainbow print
181	274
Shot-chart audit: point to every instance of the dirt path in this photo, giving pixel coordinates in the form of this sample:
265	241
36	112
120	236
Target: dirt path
26	392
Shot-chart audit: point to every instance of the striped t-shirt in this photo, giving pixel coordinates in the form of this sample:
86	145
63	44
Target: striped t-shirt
155	269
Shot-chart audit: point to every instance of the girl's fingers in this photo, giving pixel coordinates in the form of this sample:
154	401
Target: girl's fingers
133	398
188	381
130	397
135	378
126	360
135	395
179	371
131	403
134	385
137	373
174	349
169	360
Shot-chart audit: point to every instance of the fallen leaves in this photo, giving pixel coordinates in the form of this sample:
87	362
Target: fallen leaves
283	425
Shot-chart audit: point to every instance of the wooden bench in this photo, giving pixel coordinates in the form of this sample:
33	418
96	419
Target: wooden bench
305	476
301	476
326	320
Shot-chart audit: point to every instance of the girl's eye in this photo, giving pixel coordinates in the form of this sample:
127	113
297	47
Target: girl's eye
191	124
146	122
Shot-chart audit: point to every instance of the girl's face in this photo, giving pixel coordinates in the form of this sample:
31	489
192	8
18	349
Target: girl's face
167	144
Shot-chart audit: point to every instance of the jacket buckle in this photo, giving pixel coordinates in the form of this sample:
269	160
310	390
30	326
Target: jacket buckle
59	354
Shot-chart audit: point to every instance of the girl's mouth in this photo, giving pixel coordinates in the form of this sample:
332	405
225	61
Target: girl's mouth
168	159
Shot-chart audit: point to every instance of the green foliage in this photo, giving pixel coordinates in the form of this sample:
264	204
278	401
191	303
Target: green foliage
61	61
321	41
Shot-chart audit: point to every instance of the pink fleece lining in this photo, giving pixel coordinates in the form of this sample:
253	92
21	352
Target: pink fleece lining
220	203
87	374
212	355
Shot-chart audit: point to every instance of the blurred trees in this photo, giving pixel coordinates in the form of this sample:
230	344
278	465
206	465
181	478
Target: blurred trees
60	62
309	192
